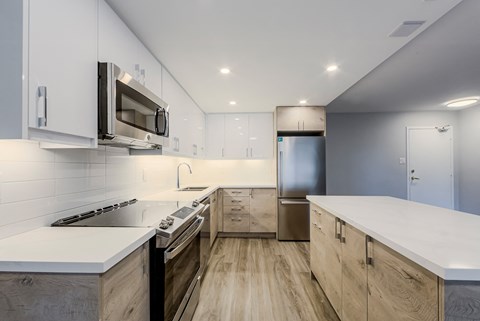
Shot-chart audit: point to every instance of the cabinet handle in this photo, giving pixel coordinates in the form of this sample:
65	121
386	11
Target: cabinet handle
42	106
236	192
368	250
236	219
236	209
247	151
251	152
223	154
317	212
194	149
251	193
236	201
317	226
298	125
303	125
342	232
337	228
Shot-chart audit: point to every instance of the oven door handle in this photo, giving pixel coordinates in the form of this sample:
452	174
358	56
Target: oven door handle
173	251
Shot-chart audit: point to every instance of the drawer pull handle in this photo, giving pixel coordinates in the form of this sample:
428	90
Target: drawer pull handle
236	192
236	201
236	209
236	219
368	249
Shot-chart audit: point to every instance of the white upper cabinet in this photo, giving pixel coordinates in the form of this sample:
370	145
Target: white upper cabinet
118	44
240	136
260	135
236	136
57	56
187	121
215	140
63	66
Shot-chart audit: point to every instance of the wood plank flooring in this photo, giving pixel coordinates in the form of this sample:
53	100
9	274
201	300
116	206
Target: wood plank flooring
261	280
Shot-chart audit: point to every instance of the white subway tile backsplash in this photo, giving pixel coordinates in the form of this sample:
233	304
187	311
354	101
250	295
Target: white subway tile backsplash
78	184
69	170
25	210
26	171
80	155
28	190
24	151
75	200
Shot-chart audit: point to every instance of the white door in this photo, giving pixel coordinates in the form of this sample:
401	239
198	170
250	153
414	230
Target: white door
430	165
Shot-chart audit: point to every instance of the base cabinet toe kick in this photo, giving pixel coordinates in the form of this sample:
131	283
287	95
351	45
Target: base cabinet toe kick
365	280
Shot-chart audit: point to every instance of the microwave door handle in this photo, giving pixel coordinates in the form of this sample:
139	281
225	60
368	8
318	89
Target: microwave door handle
165	123
171	253
156	121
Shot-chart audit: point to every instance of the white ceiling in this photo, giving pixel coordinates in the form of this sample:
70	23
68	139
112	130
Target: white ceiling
441	64
277	49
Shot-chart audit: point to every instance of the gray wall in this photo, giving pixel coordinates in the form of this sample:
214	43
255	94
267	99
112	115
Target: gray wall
469	178
363	151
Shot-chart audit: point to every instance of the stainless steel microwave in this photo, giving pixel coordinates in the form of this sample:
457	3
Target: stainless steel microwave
129	114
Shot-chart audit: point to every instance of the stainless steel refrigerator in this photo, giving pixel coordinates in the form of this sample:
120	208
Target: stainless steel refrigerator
300	172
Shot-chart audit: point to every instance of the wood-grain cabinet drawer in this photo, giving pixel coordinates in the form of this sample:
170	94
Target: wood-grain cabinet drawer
236	209
236	192
237	200
236	223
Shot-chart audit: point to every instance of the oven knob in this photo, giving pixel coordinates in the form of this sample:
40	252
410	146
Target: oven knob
195	203
163	225
148	137
170	220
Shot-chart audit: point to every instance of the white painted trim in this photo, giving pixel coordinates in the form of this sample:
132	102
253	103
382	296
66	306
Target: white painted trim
452	181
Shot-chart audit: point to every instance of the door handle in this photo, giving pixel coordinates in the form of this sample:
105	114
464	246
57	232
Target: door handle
413	177
284	202
42	106
368	245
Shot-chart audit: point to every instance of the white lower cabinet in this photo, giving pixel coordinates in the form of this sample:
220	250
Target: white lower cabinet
55	51
240	136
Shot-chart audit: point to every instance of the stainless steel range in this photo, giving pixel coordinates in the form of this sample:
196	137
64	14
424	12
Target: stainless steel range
174	252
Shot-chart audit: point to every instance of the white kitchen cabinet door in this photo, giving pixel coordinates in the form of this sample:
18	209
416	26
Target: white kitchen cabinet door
150	71
236	136
198	133
215	138
62	96
260	135
171	95
116	43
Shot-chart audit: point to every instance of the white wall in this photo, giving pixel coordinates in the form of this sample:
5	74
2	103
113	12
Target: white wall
469	178
363	151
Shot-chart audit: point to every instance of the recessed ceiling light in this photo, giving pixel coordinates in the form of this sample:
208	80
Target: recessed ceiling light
233	102
332	68
462	102
225	71
302	102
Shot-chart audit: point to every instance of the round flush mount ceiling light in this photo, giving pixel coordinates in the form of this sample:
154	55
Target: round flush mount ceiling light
332	68
302	102
462	102
233	103
225	71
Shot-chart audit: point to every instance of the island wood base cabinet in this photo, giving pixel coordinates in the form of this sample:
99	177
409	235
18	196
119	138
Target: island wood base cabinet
365	280
121	293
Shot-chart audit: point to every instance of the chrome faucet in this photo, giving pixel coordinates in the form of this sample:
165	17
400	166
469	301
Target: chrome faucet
178	173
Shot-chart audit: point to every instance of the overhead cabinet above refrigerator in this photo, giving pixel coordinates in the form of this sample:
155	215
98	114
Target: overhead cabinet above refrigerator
300	119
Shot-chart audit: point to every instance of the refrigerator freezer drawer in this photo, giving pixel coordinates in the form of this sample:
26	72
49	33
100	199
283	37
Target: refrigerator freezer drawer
293	220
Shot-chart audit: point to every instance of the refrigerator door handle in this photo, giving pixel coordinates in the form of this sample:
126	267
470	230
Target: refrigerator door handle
280	174
294	202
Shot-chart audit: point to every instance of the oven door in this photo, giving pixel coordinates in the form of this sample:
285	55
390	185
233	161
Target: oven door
137	110
182	274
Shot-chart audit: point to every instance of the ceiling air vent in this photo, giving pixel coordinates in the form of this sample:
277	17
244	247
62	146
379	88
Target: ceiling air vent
406	28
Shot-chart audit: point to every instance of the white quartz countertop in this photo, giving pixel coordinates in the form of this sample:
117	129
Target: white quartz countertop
445	242
70	249
176	195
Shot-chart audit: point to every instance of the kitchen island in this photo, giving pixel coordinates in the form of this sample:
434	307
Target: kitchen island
382	258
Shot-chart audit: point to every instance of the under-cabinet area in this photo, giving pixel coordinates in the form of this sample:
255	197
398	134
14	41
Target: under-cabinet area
365	279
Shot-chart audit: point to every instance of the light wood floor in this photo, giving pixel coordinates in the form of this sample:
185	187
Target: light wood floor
261	280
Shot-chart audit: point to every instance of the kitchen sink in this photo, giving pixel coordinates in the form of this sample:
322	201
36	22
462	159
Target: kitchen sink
193	189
